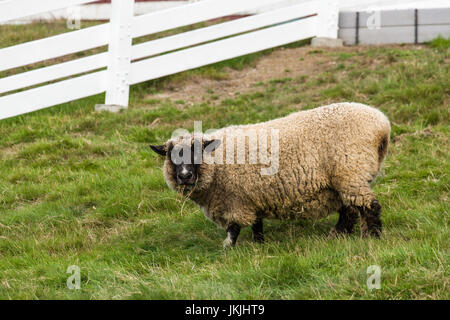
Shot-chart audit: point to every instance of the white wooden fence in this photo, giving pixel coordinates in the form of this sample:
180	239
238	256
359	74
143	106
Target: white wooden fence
102	11
242	36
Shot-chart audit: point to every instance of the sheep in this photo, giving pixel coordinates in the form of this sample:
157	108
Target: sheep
327	158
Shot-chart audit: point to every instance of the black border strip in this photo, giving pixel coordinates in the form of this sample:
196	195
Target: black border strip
357	28
416	26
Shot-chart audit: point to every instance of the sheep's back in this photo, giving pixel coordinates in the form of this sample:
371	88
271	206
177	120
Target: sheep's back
313	146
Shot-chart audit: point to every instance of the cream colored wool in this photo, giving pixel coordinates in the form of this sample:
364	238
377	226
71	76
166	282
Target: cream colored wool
328	157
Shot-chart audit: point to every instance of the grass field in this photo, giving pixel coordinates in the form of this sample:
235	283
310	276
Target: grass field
82	188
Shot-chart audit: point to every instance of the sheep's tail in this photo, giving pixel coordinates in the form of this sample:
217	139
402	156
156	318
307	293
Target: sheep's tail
383	148
383	143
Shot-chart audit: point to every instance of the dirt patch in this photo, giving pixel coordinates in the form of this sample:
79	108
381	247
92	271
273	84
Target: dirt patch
279	64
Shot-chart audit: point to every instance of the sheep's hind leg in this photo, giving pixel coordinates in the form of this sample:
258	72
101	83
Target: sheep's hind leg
232	234
370	219
348	216
257	228
357	194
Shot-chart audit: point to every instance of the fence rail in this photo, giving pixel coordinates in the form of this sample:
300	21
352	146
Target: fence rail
222	50
245	35
53	47
15	9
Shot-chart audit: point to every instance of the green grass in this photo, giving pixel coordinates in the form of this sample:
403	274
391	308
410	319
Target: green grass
82	188
440	43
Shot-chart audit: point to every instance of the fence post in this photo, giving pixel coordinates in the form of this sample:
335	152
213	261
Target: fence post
118	88
327	29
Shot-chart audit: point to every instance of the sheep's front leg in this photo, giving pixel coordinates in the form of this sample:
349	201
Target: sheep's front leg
232	234
257	228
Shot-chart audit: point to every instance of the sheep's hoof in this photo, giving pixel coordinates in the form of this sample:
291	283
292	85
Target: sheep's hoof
335	234
259	239
232	235
228	243
332	234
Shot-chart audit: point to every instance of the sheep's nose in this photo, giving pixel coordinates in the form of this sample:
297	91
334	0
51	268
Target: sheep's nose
185	175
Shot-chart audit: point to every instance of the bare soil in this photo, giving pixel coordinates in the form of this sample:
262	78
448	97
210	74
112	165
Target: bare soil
292	62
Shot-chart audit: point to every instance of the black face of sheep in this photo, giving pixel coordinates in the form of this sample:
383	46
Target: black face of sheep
185	159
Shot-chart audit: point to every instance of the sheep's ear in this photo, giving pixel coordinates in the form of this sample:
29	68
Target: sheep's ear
161	150
211	145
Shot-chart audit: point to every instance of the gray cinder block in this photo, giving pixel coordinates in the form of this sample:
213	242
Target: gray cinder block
326	42
110	108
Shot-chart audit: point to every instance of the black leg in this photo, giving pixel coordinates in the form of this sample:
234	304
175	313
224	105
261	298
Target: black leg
348	216
370	219
257	228
232	234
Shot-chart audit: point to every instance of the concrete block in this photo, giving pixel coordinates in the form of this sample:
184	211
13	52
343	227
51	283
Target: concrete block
326	42
111	108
